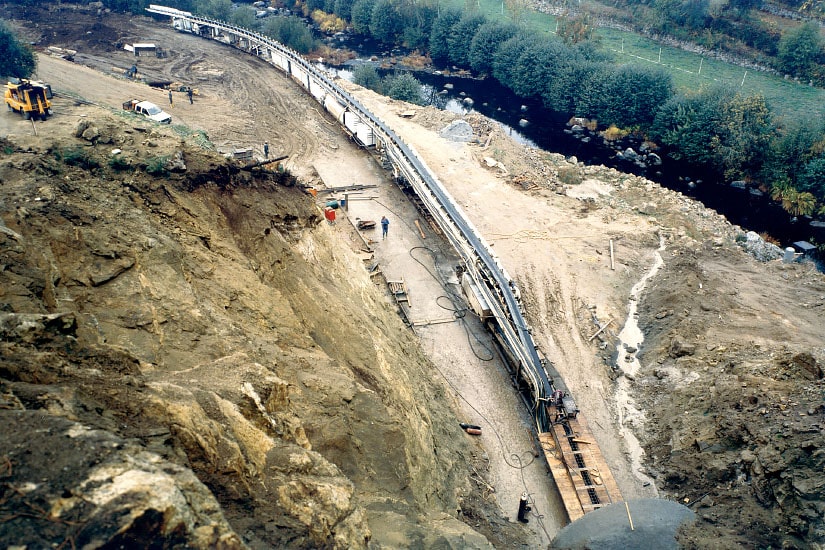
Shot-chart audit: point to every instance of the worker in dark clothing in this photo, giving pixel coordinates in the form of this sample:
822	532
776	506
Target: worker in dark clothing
170	99
266	149
189	93
385	227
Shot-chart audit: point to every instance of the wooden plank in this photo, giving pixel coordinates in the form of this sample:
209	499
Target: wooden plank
420	231
564	483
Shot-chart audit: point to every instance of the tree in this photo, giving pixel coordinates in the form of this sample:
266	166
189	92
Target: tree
309	6
507	56
290	31
486	41
244	17
635	92
573	30
16	58
533	69
217	9
418	21
343	9
568	85
812	178
744	136
799	50
460	38
440	34
362	16
688	123
368	77
718	128
404	87
791	149
385	22
692	14
516	9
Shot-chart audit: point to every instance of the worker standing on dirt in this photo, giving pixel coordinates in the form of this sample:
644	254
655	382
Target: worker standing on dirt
385	227
170	99
266	149
189	93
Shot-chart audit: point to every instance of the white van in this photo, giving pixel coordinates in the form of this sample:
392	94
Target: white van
149	110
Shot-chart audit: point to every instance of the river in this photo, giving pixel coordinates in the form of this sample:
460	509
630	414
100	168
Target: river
528	122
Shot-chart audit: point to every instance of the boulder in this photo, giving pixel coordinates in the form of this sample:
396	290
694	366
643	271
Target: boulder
458	130
32	328
680	348
760	249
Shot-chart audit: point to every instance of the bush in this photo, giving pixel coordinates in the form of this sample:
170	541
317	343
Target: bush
405	87
368	77
17	58
570	175
119	163
290	31
613	133
77	156
157	166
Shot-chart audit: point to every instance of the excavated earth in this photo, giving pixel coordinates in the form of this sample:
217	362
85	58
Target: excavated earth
192	357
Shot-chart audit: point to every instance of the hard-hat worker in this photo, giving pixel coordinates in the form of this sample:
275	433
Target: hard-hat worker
385	226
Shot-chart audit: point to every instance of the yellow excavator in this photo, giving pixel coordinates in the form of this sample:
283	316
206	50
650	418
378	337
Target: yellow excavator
30	99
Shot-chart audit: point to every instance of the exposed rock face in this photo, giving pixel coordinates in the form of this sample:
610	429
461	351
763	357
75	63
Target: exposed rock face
185	323
99	490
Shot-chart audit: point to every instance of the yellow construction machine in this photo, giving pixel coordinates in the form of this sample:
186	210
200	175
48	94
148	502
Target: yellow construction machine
30	99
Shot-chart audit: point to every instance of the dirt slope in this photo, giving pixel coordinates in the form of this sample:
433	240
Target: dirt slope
727	402
205	317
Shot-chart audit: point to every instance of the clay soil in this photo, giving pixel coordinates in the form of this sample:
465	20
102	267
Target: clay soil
724	414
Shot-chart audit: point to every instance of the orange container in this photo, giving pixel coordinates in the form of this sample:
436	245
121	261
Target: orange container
329	214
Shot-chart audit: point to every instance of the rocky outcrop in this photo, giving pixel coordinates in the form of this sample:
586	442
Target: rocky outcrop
759	248
65	483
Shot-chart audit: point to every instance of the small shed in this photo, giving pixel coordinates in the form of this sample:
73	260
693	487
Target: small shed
139	48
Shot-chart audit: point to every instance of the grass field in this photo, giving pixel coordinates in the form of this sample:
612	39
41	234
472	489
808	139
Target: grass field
691	72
